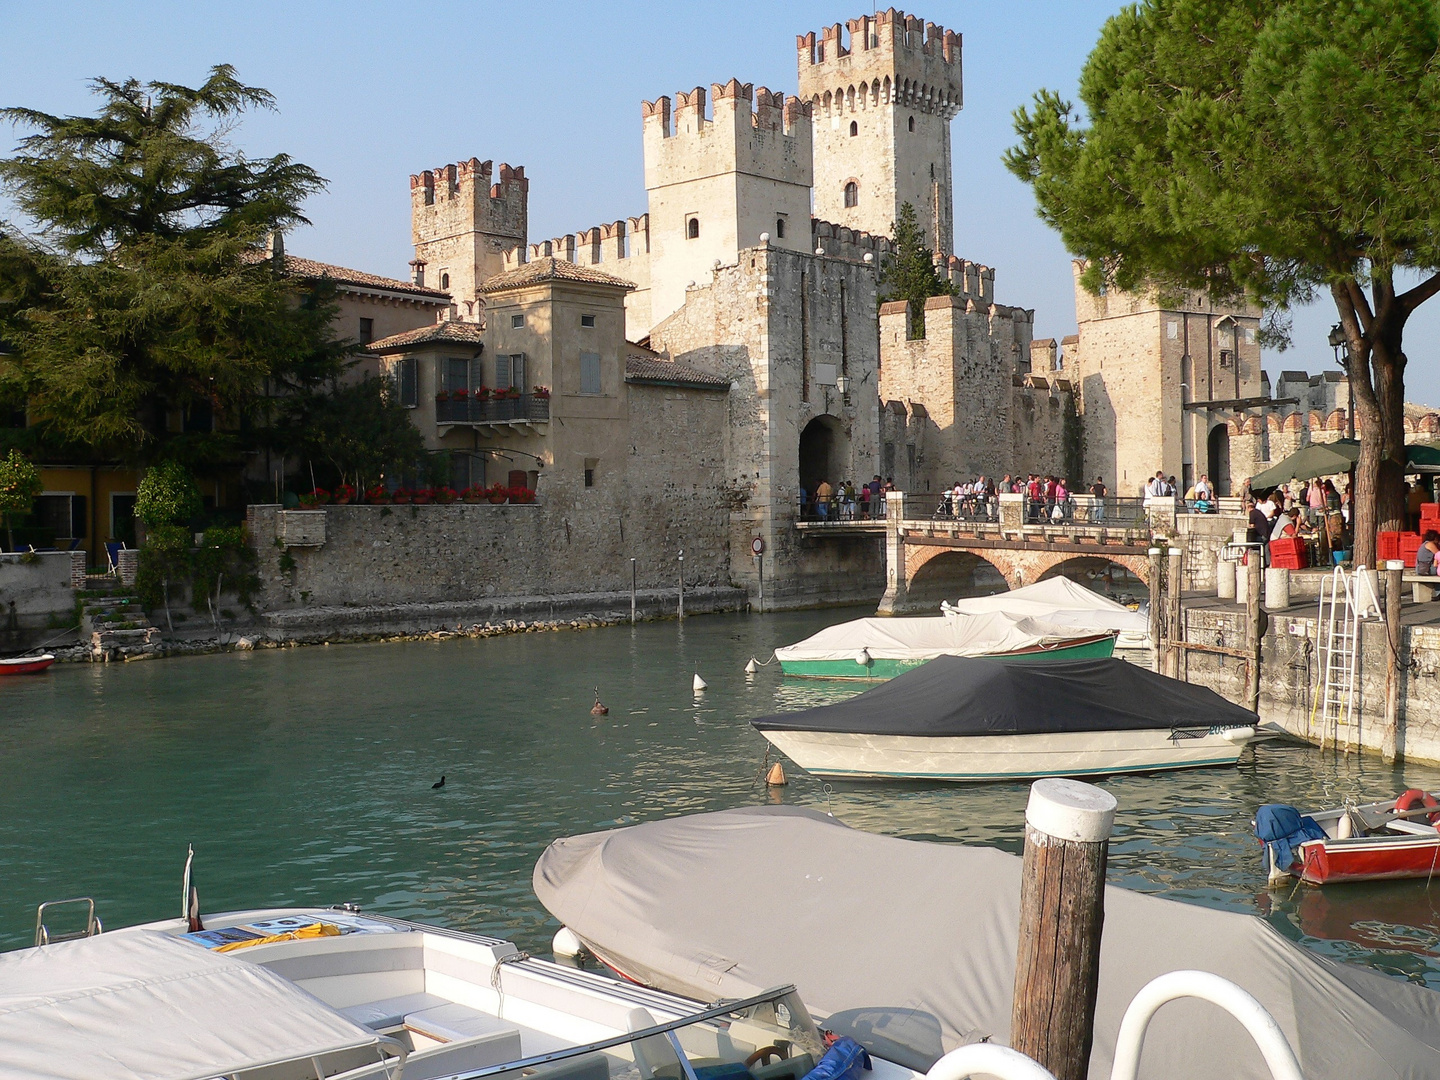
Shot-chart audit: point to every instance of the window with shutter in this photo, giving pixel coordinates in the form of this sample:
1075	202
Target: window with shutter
518	373
457	374
589	373
477	374
502	372
408	384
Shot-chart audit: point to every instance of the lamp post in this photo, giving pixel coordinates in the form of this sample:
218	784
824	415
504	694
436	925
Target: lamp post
1341	345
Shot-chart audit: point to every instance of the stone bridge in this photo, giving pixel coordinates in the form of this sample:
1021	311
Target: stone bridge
930	558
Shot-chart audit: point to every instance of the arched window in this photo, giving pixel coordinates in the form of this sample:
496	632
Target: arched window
854	128
444	281
780	228
852	194
692	229
912	123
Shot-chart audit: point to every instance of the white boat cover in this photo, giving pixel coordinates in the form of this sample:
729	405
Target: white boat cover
910	946
928	637
140	1005
1058	601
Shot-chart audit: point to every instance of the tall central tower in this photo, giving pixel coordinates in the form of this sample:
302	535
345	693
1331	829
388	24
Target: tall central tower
881	108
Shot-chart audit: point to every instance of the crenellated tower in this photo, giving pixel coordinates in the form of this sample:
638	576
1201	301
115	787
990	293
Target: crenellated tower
462	224
881	103
718	179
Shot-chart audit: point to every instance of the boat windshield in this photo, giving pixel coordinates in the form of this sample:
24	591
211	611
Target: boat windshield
767	1037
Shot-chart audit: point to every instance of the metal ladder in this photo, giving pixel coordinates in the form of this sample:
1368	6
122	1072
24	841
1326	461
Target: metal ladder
43	936
1349	600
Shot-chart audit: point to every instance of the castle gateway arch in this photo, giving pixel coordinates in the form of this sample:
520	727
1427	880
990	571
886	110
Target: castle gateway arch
824	454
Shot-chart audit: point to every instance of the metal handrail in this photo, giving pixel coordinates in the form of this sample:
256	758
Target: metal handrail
724	1008
1268	1036
42	932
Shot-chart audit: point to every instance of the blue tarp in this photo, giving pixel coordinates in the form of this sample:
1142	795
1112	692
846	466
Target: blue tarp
1283	829
845	1060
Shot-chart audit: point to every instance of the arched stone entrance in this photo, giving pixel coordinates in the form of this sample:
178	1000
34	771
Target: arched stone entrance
1218	458
1018	566
824	454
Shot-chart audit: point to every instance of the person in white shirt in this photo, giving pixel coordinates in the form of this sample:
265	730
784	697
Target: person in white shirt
1269	507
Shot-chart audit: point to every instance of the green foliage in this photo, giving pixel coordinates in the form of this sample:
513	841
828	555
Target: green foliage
359	429
1274	149
167	495
909	273
142	295
164	561
225	561
19	485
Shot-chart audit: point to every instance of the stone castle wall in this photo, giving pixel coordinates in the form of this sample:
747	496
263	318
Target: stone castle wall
462	224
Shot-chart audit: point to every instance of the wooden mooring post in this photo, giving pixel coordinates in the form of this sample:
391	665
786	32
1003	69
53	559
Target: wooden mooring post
1062	912
1174	616
1254	627
1389	739
1157	623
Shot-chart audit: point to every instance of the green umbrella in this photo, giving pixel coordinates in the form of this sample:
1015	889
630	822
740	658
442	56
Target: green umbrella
1317	459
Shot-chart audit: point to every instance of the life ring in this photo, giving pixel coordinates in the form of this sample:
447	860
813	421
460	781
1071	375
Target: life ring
764	1054
1415	799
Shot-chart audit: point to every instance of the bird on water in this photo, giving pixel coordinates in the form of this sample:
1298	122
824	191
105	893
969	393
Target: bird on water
599	709
438	784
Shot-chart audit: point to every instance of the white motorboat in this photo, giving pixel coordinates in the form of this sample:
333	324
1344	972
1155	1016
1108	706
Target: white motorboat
1061	602
310	993
971	718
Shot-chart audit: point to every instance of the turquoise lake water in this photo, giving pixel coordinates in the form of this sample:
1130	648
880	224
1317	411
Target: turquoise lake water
302	776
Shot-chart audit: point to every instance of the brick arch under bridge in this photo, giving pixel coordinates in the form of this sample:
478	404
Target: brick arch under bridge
923	587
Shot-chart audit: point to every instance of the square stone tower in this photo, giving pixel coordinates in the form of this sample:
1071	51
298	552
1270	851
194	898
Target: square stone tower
717	183
881	109
462	225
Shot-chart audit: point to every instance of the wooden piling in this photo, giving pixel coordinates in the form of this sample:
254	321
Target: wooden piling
1174	593
1393	597
1254	629
1062	912
1156	607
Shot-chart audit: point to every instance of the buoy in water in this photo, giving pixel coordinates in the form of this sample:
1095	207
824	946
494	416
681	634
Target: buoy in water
863	658
566	943
599	709
699	684
776	776
752	667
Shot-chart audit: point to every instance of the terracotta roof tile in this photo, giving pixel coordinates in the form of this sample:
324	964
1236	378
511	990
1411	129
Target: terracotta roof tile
644	366
451	332
550	268
341	275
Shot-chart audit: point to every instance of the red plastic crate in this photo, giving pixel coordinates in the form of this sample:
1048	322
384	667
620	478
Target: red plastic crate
1387	545
1430	511
1288	553
1409	545
1287	562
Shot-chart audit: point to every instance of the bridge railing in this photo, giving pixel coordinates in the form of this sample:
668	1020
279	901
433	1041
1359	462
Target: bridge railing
839	512
1110	512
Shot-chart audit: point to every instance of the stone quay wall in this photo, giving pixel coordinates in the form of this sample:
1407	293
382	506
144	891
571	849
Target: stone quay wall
37	593
461	554
1290	671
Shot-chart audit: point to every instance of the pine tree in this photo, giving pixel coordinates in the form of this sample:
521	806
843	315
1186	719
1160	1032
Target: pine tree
909	273
141	295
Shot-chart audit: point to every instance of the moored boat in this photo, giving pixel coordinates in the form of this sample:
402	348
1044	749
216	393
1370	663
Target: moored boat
26	665
988	718
877	649
1061	602
312	993
1379	841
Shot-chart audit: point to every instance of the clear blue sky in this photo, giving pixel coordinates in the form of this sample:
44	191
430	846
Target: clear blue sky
369	93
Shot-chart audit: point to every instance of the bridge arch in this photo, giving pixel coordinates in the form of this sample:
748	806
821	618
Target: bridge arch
1112	576
1016	566
946	574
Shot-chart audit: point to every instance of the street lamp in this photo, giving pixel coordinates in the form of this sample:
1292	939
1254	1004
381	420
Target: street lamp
1340	343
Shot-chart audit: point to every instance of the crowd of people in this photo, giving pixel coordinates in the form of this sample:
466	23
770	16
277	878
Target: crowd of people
1315	511
845	502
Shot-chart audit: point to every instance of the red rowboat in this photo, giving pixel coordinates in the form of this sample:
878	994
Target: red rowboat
1376	841
26	665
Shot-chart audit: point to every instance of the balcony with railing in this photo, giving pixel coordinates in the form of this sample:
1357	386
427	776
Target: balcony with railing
524	410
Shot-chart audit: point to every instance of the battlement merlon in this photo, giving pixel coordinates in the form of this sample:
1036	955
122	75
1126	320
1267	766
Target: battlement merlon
610	243
843	242
891	39
747	129
734	103
467	178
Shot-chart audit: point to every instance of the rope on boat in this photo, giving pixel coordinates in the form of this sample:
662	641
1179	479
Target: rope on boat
495	981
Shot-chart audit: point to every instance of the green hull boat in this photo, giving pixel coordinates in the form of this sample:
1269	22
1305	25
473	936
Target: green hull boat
878	670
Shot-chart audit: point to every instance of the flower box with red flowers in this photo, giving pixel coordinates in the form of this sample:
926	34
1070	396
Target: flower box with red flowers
541	392
343	494
401	496
446	495
521	495
422	496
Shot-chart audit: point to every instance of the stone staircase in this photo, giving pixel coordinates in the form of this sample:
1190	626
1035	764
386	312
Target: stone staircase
113	621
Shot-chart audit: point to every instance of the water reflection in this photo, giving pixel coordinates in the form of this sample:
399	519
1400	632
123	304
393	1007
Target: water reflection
304	776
